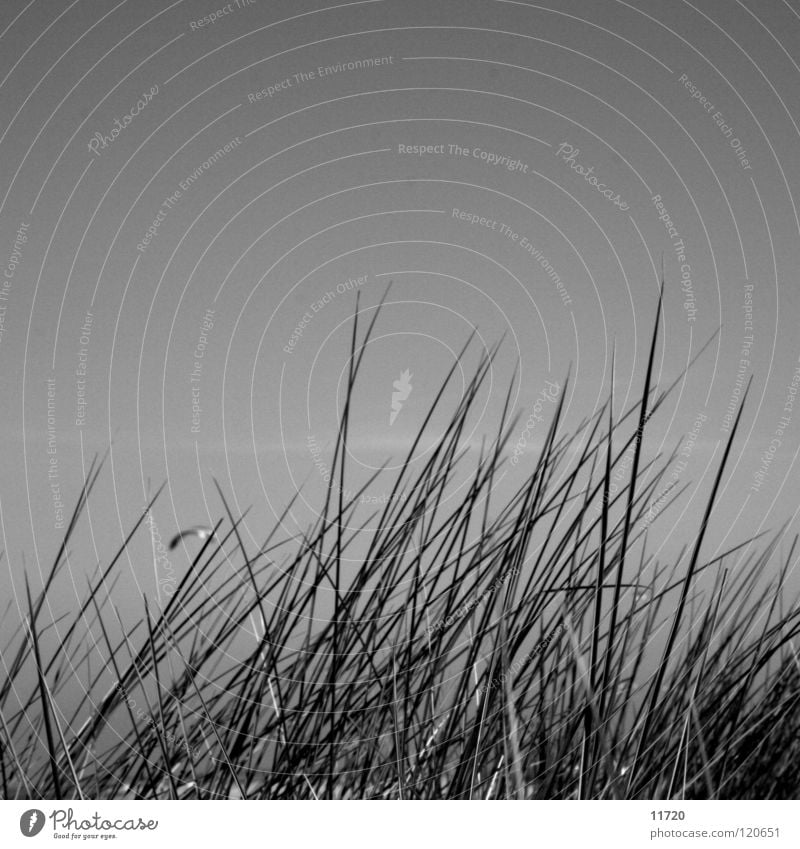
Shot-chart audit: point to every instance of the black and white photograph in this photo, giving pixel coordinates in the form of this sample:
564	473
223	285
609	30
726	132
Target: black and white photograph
400	403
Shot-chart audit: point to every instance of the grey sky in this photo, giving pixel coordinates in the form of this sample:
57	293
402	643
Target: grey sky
275	164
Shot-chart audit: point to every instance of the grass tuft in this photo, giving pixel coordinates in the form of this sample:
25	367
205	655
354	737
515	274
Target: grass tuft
529	647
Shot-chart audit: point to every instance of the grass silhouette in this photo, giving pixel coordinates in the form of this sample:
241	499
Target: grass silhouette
526	649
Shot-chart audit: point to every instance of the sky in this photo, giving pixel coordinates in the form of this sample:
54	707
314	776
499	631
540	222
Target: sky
192	198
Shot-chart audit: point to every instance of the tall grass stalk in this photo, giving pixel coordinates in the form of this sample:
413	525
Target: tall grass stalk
529	647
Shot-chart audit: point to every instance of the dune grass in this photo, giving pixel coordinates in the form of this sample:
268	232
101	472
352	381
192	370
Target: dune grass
526	649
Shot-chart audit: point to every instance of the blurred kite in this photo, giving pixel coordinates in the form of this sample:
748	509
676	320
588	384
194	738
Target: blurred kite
199	531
